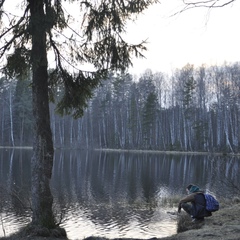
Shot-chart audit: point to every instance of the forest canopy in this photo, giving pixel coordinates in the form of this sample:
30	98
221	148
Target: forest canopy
193	109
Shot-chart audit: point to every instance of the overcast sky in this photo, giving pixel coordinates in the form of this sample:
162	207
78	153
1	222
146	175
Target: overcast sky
197	36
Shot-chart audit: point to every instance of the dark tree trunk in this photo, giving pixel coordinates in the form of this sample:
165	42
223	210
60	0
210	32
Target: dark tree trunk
43	152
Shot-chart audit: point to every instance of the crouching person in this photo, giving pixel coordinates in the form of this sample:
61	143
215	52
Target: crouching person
194	204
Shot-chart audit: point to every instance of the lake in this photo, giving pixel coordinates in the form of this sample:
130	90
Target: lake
112	194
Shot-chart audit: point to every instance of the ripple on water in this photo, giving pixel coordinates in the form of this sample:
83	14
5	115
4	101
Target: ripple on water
81	224
10	222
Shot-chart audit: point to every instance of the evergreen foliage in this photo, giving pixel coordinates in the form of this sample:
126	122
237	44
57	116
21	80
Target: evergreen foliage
96	40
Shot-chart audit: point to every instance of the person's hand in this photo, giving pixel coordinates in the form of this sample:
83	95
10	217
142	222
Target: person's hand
179	208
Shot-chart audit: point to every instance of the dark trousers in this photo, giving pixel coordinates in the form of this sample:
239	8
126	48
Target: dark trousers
188	208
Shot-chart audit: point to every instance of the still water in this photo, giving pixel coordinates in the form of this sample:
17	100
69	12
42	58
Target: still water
110	194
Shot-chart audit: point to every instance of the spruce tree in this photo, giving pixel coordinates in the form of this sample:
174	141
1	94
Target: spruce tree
94	38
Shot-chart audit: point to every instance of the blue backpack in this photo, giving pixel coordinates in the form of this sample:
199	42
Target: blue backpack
212	204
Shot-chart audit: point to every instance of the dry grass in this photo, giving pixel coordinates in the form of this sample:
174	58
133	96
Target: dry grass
185	223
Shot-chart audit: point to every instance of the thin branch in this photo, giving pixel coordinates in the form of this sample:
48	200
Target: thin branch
206	4
1	3
58	54
7	45
202	4
17	24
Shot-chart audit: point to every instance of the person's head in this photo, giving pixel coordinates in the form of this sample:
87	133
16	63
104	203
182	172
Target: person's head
191	188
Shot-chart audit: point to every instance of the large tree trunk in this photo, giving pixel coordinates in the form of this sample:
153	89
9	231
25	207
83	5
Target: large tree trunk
42	160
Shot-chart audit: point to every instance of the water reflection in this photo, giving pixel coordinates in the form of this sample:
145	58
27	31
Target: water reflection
115	195
110	194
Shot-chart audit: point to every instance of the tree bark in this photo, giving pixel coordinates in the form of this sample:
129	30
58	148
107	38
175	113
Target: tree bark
42	160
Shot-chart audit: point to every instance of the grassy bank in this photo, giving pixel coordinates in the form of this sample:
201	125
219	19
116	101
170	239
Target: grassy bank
224	225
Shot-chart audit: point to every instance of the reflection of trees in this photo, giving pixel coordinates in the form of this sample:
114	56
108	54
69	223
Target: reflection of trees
14	178
114	185
225	176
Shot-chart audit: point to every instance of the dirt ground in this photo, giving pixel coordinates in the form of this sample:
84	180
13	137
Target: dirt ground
224	225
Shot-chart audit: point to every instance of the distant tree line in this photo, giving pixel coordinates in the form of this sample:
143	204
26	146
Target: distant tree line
194	109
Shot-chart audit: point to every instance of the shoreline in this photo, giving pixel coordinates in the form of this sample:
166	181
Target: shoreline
166	152
222	225
134	151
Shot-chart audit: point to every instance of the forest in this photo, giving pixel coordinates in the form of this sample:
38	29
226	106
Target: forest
191	109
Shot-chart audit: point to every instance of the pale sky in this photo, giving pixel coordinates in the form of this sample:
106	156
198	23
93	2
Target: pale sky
197	36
